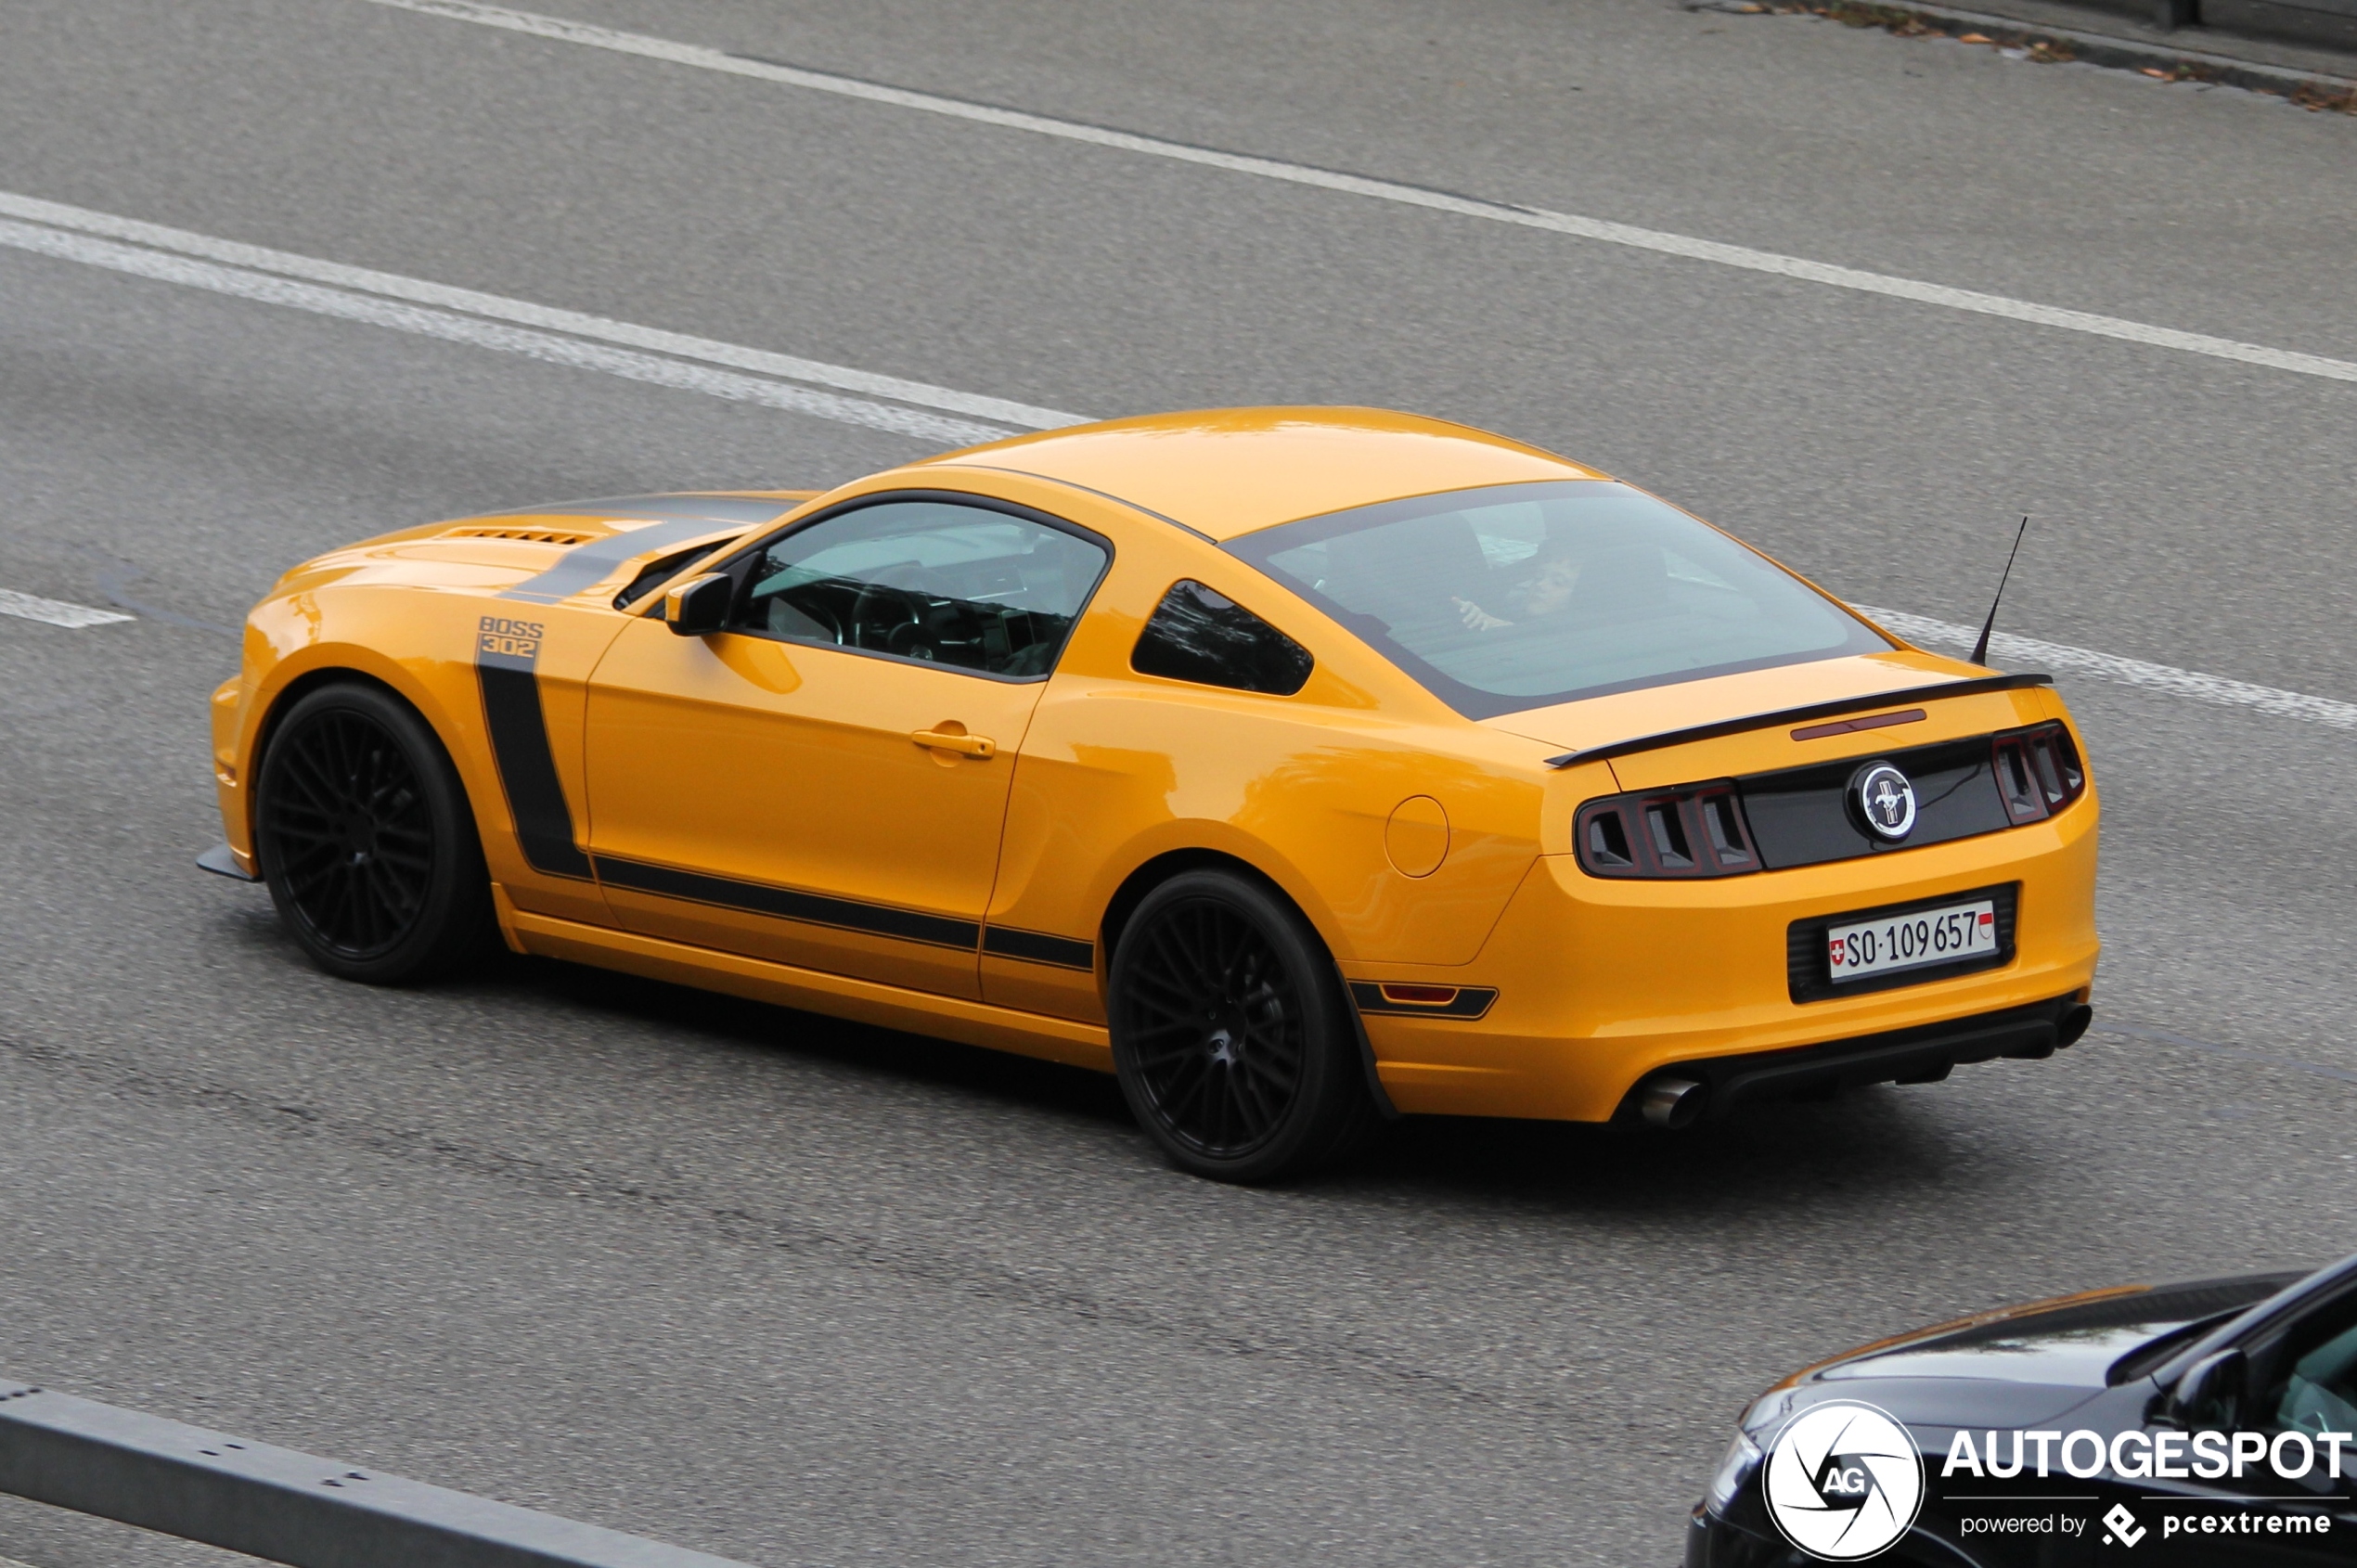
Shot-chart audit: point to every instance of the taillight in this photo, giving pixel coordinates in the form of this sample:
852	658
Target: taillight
2038	771
1695	831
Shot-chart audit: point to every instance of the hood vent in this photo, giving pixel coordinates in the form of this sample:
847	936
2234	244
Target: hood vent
520	535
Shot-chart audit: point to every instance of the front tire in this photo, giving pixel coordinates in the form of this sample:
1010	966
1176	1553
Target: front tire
1234	1044
366	842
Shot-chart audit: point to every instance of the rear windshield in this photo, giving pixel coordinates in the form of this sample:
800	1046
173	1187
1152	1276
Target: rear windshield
1519	596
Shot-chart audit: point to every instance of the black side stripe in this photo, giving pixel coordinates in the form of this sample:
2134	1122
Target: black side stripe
527	768
1471	1001
759	899
1039	948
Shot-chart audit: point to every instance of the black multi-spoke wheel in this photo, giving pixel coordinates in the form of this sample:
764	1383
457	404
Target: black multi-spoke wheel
366	841
1230	1035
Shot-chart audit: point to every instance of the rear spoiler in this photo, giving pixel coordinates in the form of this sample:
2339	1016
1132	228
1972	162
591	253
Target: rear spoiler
1799	715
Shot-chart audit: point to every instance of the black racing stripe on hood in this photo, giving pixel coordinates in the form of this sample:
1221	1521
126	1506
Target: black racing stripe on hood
584	564
720	508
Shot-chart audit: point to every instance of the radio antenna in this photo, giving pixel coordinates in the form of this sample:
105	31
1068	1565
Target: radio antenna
1980	649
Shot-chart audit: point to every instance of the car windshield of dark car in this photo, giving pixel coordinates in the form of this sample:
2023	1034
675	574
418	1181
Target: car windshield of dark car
1519	596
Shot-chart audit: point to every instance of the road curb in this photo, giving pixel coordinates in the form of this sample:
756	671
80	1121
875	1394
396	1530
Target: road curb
2308	89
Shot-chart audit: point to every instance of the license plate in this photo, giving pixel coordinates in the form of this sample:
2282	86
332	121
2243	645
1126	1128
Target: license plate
1906	942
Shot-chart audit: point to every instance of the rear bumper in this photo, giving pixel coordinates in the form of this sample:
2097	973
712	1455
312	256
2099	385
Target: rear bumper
1603	984
1923	1054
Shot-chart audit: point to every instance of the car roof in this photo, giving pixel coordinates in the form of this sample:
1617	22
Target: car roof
1229	471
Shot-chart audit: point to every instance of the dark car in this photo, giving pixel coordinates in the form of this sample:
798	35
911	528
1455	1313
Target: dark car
2209	1422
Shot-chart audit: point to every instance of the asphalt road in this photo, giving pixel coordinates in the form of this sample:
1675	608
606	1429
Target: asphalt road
799	1293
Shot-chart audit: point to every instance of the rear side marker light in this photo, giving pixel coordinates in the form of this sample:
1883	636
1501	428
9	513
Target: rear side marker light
1419	996
1406	999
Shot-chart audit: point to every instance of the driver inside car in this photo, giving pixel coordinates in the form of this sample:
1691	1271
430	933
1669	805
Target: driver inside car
1545	588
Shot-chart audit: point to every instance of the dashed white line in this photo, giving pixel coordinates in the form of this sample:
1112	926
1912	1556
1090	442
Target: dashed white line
466	315
55	611
491	321
2032	652
1742	256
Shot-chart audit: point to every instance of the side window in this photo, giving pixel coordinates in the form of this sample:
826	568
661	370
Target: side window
932	581
1199	634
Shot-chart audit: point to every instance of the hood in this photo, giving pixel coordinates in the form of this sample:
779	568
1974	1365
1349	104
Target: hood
2025	1364
548	554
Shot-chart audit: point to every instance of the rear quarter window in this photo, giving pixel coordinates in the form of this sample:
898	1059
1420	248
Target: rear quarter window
1198	634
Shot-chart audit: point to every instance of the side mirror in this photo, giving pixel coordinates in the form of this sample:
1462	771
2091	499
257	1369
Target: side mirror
700	605
2210	1392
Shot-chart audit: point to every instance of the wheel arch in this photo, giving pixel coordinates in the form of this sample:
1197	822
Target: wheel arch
281	701
1158	869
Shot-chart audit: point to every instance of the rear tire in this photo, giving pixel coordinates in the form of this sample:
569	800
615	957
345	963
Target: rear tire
1234	1044
366	842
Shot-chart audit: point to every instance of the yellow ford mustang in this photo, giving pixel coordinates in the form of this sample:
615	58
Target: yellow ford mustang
1302	767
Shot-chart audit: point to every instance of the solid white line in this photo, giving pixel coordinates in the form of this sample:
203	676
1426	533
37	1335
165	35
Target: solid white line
2030	653
522	312
55	611
452	327
1744	257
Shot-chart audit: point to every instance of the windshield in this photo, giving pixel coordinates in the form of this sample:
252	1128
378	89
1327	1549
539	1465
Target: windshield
1523	595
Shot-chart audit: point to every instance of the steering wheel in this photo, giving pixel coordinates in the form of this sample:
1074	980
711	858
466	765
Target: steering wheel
882	613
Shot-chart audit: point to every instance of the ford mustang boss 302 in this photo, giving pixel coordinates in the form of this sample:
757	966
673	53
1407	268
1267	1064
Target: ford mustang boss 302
1302	767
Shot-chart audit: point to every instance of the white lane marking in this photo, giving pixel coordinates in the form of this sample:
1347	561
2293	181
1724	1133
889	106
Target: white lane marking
2030	653
283	286
1743	256
522	312
55	611
544	346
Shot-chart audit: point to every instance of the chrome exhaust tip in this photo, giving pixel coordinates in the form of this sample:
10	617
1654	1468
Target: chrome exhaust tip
1671	1103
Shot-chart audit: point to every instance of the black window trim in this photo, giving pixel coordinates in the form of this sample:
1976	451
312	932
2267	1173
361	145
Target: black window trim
1255	547
738	565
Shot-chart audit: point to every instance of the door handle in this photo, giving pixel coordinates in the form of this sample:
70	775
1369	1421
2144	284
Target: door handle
947	741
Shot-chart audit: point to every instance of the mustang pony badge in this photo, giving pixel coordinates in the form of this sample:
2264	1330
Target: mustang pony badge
1886	799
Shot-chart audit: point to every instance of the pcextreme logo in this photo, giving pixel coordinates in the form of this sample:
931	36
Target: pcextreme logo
1844	1480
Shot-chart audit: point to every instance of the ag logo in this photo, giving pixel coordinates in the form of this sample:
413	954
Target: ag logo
1844	1480
1886	799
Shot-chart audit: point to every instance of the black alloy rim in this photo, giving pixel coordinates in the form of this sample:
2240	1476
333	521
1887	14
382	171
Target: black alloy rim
1214	1026
347	834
